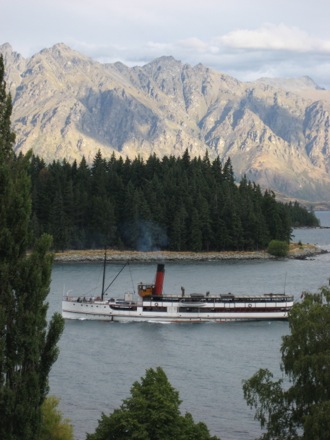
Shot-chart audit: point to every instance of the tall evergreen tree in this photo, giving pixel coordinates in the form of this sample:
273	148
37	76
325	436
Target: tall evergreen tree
28	346
7	137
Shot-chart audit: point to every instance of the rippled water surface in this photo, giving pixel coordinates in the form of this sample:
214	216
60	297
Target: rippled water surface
206	363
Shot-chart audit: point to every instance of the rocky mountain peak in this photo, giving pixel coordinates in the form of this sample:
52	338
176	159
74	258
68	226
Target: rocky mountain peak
68	106
15	65
291	84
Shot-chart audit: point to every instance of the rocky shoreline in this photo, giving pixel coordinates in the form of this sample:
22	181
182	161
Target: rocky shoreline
296	251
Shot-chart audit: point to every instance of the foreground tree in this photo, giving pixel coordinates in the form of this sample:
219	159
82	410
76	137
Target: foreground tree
151	413
299	407
28	346
53	426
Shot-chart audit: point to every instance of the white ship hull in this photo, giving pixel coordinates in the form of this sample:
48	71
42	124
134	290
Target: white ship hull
242	312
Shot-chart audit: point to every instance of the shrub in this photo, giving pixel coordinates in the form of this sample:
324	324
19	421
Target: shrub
278	248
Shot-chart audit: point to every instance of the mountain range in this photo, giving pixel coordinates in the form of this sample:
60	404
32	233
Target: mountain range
275	131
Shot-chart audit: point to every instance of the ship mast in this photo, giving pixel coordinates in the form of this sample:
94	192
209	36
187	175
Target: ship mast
103	280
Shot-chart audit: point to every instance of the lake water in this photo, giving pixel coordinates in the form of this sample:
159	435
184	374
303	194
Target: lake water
206	363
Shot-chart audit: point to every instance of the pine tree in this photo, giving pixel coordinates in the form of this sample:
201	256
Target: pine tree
28	346
7	137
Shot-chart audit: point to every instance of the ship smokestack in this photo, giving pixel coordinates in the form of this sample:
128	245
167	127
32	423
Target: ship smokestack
158	289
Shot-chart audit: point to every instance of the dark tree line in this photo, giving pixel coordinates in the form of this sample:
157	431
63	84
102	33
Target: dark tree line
177	204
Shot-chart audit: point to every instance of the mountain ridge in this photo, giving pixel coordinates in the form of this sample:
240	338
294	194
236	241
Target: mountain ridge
276	131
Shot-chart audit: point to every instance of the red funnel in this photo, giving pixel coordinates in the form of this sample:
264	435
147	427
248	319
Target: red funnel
158	289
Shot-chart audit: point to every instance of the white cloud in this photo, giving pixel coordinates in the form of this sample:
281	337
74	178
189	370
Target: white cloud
243	38
274	37
245	54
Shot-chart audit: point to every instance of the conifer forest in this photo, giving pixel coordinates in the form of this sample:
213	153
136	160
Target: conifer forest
173	203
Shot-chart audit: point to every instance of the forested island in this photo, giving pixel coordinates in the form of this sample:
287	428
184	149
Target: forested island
173	203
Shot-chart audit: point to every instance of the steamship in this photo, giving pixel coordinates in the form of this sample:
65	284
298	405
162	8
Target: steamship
152	306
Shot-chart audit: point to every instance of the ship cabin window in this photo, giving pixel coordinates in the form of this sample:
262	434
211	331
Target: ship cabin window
155	308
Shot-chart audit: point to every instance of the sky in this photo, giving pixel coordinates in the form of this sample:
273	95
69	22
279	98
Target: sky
247	39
